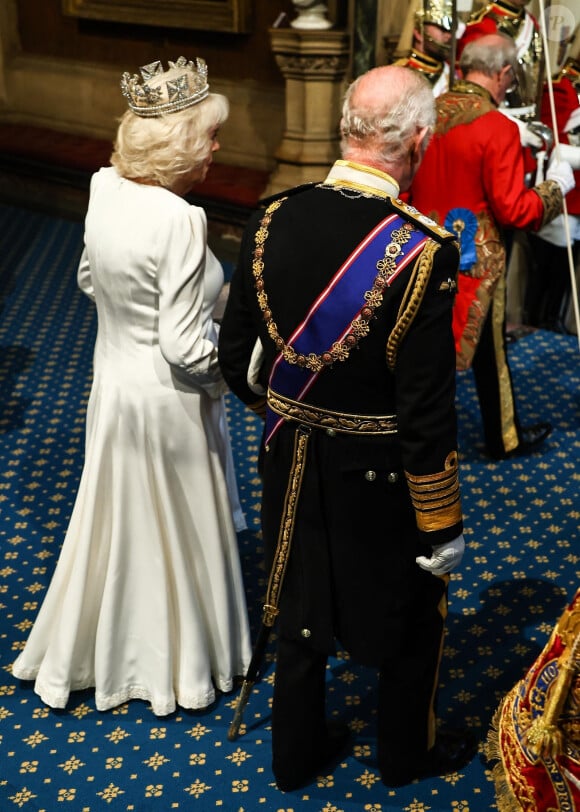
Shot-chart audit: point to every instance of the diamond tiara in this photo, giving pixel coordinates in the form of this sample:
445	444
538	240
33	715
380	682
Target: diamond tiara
154	97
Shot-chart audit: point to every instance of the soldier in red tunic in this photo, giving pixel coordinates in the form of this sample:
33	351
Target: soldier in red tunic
472	180
548	282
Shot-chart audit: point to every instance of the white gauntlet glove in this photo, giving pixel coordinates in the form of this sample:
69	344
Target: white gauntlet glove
570	154
560	171
574	120
445	557
528	138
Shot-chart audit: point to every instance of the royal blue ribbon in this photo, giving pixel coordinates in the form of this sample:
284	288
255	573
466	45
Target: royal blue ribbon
330	317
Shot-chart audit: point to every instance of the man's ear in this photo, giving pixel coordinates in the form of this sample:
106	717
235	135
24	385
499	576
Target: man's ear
420	141
424	135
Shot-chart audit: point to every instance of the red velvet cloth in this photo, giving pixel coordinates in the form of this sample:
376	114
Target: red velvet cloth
565	101
526	781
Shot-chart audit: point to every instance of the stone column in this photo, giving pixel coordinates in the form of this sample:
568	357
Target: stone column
314	65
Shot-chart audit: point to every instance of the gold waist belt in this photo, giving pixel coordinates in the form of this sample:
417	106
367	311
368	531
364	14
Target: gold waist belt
332	422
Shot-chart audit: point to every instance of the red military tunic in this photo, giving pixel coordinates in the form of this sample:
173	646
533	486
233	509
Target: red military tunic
474	162
472	180
565	102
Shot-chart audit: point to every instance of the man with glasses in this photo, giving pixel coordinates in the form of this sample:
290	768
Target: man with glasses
472	181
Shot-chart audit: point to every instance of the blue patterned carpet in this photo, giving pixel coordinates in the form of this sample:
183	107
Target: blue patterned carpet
521	568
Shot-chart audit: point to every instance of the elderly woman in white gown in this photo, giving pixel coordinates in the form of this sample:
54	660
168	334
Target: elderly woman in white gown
147	598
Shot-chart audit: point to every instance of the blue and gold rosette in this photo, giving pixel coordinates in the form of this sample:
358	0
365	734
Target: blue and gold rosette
463	223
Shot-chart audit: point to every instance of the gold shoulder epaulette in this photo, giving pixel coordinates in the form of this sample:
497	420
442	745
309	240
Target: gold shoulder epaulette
490	9
477	15
423	222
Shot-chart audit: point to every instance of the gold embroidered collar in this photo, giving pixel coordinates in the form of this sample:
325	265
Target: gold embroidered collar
361	178
463	86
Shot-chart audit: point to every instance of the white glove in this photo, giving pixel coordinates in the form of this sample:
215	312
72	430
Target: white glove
253	374
561	172
570	154
527	137
445	557
573	121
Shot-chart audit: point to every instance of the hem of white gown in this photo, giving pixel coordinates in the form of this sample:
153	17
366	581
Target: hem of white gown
105	702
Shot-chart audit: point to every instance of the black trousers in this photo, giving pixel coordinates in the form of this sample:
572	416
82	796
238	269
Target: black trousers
407	692
548	284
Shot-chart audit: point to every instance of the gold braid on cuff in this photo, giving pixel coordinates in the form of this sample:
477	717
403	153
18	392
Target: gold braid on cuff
436	497
552	198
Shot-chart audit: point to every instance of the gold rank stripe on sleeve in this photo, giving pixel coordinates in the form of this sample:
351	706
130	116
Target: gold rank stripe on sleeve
435	497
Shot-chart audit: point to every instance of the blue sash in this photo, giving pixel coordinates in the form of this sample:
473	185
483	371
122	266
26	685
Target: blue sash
330	318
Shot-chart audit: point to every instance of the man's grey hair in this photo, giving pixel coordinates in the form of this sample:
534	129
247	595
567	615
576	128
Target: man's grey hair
488	57
387	127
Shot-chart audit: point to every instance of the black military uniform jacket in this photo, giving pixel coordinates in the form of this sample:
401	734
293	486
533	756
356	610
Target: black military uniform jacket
368	504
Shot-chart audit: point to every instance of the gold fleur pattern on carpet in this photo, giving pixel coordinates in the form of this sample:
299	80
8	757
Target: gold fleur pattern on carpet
521	568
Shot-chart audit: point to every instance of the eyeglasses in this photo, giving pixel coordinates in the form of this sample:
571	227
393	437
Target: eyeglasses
513	77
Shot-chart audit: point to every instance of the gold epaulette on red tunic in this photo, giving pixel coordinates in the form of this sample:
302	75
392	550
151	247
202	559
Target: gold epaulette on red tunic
496	9
436	497
422	63
570	70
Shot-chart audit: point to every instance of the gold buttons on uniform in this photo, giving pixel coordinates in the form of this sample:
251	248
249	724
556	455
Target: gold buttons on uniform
370	476
305	632
393	477
331	432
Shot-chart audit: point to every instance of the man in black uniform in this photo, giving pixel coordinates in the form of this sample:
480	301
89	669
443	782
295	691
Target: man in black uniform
350	293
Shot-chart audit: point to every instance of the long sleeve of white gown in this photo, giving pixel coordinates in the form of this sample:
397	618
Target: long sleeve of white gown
185	336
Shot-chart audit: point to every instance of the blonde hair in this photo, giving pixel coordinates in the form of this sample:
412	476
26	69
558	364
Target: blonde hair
164	148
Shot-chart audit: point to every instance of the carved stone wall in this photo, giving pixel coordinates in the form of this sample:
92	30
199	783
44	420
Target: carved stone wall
82	96
286	122
314	65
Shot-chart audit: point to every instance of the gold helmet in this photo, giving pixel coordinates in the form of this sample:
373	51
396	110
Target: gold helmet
435	12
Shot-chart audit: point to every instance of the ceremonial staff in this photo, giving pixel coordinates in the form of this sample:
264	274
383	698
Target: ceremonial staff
556	148
453	50
281	556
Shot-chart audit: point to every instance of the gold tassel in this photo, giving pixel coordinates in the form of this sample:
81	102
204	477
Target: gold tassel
491	747
504	794
544	738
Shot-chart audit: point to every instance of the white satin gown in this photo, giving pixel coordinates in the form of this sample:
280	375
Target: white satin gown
147	599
